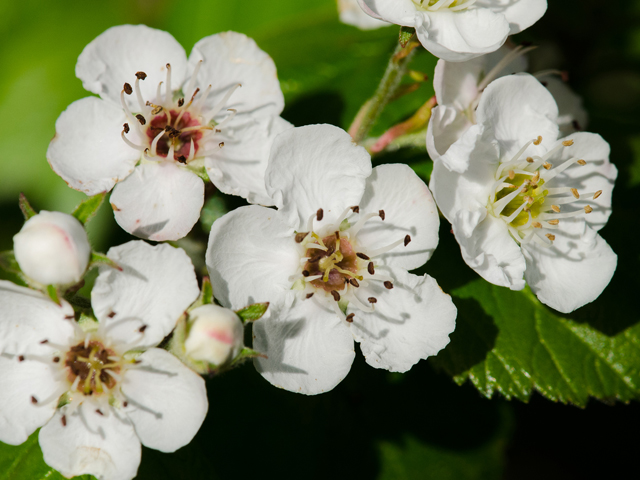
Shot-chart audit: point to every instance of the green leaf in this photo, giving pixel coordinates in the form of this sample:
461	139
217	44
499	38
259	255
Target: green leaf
99	259
25	461
8	262
508	342
253	312
88	208
25	207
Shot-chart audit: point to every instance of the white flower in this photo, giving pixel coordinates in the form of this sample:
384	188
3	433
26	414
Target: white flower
458	30
113	399
332	261
52	248
218	109
216	334
351	14
459	86
528	205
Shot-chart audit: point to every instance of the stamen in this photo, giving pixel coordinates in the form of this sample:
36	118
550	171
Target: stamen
309	295
335	295
360	223
315	245
381	214
597	194
141	102
168	91
575	193
388	285
141	119
224	100
192	151
407	240
550	236
559	169
371	269
354	282
227	119
127	89
154	143
194	77
372	300
350	317
382	250
319	214
555	208
362	256
588	209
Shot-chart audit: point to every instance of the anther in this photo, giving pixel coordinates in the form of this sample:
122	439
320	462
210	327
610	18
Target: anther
381	213
536	177
550	237
127	89
125	404
336	295
597	194
349	318
141	119
309	295
44	341
528	199
538	140
182	159
555	208
99	412
536	225
21	358
180	102
319	214
143	328
34	400
301	236
575	193
547	165
553	222
529	160
362	256
512	174
388	285
56	359
126	128
372	300
407	239
305	273
64	420
354	282
588	209
356	209
337	234
581	162
221	144
567	143
141	75
111	314
370	268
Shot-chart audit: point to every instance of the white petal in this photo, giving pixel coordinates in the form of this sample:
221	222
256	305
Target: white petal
230	58
158	201
317	166
456	83
572	115
400	12
520	14
519	109
102	446
574	271
115	56
352	14
446	126
463	35
27	318
21	383
238	168
250	257
410	322
156	285
167	400
409	210
487	247
87	150
598	174
309	348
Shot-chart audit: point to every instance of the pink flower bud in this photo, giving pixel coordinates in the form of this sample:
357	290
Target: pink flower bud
215	336
52	249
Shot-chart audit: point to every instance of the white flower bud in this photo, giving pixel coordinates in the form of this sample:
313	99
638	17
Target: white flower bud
52	249
216	335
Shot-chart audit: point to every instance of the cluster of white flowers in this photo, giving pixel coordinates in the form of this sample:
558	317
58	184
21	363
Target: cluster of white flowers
524	190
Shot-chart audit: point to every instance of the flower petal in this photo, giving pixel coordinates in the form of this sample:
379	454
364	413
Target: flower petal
22	382
520	14
158	201
572	272
167	400
463	35
400	12
352	14
239	167
156	285
409	210
487	247
87	151
27	318
410	322
598	174
103	446
519	109
229	58
572	115
309	348
317	166
446	127
251	256
115	56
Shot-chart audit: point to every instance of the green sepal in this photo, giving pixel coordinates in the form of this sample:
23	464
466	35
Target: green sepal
100	259
206	296
246	354
88	323
25	207
88	208
252	312
8	262
53	294
406	34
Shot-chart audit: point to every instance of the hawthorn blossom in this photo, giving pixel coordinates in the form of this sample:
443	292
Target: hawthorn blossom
100	390
525	205
52	248
459	86
351	14
161	120
332	261
459	30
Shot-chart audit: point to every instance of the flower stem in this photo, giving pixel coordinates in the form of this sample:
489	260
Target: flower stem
370	111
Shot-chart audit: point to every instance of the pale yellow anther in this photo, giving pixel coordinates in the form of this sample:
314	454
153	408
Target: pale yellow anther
536	225
555	208
597	194
538	140
553	222
567	143
588	209
512	174
575	193
581	162
528	199
547	165
550	237
535	177
529	160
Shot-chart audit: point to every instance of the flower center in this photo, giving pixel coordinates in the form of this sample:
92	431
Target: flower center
169	127
336	265
435	5
90	366
523	200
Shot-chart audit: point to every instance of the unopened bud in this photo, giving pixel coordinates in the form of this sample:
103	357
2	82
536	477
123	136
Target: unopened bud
215	336
52	249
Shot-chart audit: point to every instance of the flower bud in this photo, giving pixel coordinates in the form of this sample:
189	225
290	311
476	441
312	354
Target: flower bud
215	336
52	249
